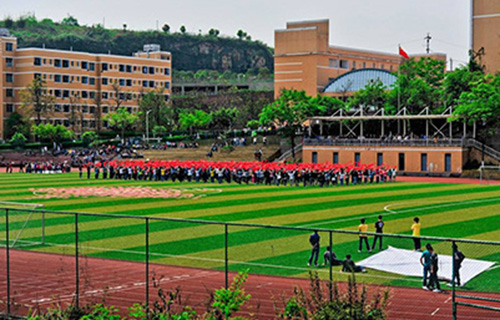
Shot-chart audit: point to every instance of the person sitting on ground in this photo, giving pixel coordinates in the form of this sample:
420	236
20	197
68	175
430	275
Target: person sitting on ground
331	258
349	266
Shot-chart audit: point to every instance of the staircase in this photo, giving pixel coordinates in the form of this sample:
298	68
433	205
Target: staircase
489	151
288	154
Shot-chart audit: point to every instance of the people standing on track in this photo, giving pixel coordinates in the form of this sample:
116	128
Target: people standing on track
415	228
363	227
425	261
314	241
458	258
379	230
434	281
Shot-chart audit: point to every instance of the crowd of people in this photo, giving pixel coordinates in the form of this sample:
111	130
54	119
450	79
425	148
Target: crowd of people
266	173
39	167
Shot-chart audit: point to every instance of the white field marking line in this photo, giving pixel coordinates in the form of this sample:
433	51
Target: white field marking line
392	212
163	255
435	311
447	300
123	287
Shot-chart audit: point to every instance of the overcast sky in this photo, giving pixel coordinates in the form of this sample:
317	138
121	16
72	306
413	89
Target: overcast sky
366	24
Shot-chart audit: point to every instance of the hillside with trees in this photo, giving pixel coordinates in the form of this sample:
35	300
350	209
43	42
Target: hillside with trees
191	52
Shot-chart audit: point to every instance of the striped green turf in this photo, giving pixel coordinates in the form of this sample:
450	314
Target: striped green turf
446	210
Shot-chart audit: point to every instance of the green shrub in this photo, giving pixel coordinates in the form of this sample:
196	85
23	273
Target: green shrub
18	140
88	137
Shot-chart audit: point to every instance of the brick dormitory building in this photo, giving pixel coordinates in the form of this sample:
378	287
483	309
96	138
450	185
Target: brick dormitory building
79	79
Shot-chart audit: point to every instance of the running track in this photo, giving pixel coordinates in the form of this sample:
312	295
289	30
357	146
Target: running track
41	280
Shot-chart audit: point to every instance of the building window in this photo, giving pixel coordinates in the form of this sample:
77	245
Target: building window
9	46
65	93
9	62
333	63
167	98
92	109
374	65
447	162
57	93
65	79
9	77
85	109
364	65
353	65
151	70
129	82
382	66
85	80
151	84
65	63
104	67
10	107
105	96
92	81
335	159
144	83
37	76
104	81
145	70
167	85
91	66
401	162
390	67
129	68
121	68
167	71
344	64
85	94
105	109
57	78
72	63
85	65
92	94
9	93
57	63
66	108
357	158
314	157
57	108
37	61
380	159
122	82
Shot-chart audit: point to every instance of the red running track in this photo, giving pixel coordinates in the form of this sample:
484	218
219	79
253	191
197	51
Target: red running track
42	280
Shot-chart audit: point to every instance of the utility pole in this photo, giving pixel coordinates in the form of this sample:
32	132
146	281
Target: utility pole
428	43
451	64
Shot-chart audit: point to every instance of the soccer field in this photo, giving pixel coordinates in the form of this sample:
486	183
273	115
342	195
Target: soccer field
446	210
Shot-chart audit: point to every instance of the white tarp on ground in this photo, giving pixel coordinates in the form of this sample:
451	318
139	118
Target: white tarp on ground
407	262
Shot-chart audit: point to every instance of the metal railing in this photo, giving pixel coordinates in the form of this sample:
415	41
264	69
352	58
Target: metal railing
148	220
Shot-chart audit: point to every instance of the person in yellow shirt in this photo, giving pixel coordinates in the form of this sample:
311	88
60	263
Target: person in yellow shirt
363	227
415	228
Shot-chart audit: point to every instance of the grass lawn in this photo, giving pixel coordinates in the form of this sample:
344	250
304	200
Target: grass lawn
446	210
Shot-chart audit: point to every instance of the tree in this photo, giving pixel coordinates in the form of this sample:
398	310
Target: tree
182	29
459	81
98	111
121	120
36	102
213	32
374	94
289	112
18	140
154	102
482	102
75	113
69	21
159	131
8	22
166	28
241	34
118	95
224	118
195	120
88	137
419	85
50	132
15	123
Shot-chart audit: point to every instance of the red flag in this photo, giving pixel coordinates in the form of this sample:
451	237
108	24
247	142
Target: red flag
403	53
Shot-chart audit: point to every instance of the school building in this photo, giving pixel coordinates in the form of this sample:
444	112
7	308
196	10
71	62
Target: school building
485	24
304	59
81	83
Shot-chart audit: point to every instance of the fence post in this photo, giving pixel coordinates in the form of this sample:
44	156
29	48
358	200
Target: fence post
226	264
331	271
77	271
453	278
7	252
147	265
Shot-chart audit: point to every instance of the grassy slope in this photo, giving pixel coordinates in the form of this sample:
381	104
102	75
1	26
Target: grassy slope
446	210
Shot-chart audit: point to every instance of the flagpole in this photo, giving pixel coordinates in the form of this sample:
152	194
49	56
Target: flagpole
399	80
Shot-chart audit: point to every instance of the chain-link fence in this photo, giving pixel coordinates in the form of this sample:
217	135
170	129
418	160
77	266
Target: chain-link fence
67	258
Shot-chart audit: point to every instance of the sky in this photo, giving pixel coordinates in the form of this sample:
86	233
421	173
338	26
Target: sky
366	24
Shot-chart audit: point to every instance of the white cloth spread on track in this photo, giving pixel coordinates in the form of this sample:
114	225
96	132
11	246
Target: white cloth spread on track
407	262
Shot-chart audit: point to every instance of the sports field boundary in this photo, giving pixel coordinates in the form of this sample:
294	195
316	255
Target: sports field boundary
147	266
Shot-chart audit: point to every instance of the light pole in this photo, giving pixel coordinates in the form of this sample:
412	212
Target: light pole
147	126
